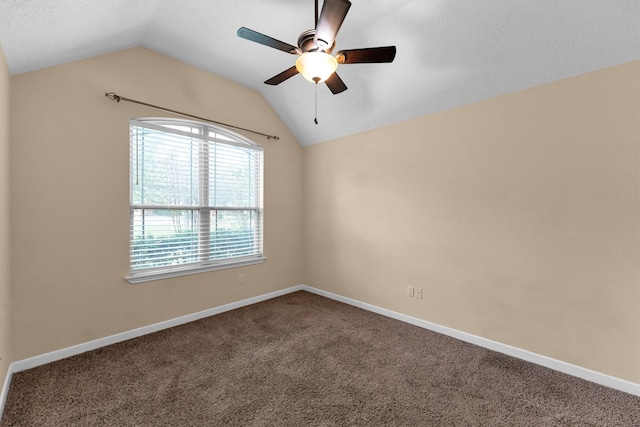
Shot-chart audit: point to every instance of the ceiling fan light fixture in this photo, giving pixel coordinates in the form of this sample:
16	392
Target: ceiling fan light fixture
316	66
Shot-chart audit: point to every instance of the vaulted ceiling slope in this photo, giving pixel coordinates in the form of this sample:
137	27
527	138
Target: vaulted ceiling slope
449	52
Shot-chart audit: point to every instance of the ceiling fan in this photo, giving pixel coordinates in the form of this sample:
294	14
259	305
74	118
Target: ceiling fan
315	61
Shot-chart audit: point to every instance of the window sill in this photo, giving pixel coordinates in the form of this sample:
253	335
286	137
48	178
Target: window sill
159	274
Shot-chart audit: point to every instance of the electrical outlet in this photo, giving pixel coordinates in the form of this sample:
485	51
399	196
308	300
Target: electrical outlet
240	279
419	293
410	290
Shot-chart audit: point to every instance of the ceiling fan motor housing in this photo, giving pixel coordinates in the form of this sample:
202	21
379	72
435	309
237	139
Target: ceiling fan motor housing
307	44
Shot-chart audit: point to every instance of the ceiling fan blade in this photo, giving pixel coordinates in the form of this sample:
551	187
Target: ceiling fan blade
255	36
279	78
366	55
335	84
331	18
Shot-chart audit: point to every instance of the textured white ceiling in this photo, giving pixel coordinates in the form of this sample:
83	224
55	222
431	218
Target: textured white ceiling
449	52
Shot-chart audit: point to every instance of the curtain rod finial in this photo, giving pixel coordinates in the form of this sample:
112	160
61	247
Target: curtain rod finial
112	96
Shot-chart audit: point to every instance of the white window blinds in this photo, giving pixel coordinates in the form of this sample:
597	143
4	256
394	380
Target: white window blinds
196	199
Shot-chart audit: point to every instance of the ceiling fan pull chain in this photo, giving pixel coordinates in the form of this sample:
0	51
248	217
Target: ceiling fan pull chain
316	118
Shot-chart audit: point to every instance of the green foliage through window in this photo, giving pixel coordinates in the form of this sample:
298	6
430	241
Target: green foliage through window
196	195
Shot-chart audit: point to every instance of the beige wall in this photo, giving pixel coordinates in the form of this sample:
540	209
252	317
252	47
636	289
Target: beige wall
5	295
69	199
518	216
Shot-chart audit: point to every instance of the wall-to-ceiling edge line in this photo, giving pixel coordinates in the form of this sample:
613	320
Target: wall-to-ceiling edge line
558	365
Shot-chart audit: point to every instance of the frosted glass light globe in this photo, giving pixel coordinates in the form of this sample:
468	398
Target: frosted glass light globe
316	66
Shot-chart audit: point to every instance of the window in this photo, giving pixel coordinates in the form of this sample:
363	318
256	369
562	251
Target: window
195	199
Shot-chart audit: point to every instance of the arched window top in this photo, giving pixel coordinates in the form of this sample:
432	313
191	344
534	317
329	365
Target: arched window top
204	130
196	197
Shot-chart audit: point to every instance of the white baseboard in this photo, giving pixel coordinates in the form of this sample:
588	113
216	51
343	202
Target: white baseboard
5	390
558	365
567	368
42	359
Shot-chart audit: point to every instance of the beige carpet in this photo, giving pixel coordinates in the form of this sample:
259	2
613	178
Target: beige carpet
300	360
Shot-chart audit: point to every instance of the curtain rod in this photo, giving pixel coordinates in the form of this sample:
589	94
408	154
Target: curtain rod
118	98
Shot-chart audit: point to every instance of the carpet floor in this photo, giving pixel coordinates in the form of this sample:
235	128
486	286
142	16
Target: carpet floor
305	360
